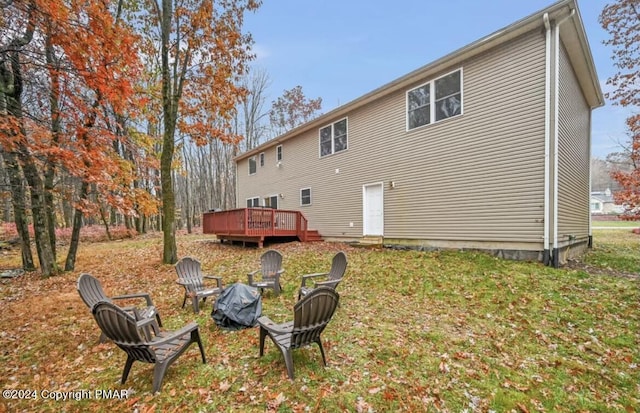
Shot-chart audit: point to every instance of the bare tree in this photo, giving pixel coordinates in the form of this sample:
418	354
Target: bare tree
292	109
252	111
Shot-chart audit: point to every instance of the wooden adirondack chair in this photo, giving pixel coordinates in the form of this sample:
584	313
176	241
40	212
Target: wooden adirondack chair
311	315
270	270
91	292
191	278
330	279
161	350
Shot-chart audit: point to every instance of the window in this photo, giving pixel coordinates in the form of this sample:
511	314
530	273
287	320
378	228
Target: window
279	153
271	201
305	196
252	165
261	159
435	101
333	138
419	106
253	202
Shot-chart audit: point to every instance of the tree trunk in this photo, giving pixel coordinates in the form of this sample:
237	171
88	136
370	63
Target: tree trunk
11	105
67	208
19	210
114	219
31	172
46	257
170	99
105	222
70	263
50	168
187	207
170	248
49	206
138	223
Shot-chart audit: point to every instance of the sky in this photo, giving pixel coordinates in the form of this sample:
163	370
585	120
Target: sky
340	50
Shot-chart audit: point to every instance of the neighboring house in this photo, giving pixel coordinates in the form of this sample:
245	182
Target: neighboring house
602	203
486	148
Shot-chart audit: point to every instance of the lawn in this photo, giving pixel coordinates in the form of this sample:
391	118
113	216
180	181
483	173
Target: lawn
617	224
416	331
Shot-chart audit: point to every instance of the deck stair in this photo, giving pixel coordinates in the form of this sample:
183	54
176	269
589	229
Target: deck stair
313	235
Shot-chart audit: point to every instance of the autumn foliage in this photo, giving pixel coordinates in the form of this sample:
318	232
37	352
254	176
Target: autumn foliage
629	195
93	97
200	54
92	64
622	20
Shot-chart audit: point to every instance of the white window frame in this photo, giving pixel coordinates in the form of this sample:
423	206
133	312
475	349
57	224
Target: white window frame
252	158
305	189
269	197
261	156
252	199
279	153
333	137
432	100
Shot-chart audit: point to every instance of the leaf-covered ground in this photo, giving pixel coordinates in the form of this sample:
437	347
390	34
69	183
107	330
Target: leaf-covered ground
416	331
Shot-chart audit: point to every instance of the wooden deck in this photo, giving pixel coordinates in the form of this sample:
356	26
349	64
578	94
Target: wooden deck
256	225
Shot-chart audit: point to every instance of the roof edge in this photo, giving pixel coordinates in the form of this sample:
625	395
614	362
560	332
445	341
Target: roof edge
526	24
594	94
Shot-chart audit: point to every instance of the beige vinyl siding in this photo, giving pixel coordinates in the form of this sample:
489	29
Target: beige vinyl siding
478	176
573	159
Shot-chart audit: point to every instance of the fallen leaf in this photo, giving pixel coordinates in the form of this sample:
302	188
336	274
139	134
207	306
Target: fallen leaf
224	386
444	368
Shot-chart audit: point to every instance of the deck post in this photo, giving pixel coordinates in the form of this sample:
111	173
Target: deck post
273	222
246	221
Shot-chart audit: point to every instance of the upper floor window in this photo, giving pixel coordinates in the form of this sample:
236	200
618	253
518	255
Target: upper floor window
434	101
261	159
252	165
333	138
279	153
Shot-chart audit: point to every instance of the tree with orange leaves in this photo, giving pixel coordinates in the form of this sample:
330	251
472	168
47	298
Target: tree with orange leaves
622	20
20	162
89	58
104	56
202	53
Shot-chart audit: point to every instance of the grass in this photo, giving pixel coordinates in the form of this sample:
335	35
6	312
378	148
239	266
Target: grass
416	331
615	250
617	224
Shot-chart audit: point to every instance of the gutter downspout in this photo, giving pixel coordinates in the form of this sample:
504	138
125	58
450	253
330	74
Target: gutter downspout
546	256
556	255
590	242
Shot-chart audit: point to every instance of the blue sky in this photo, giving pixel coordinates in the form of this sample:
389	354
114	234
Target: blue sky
340	50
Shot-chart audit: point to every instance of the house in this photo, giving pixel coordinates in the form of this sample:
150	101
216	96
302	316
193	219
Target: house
485	148
602	203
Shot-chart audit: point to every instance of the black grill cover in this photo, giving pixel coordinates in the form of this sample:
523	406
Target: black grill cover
238	306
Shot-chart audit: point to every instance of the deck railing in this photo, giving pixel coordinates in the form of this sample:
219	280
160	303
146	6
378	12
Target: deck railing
256	222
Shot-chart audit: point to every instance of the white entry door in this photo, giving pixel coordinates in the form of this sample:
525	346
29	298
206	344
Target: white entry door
373	218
